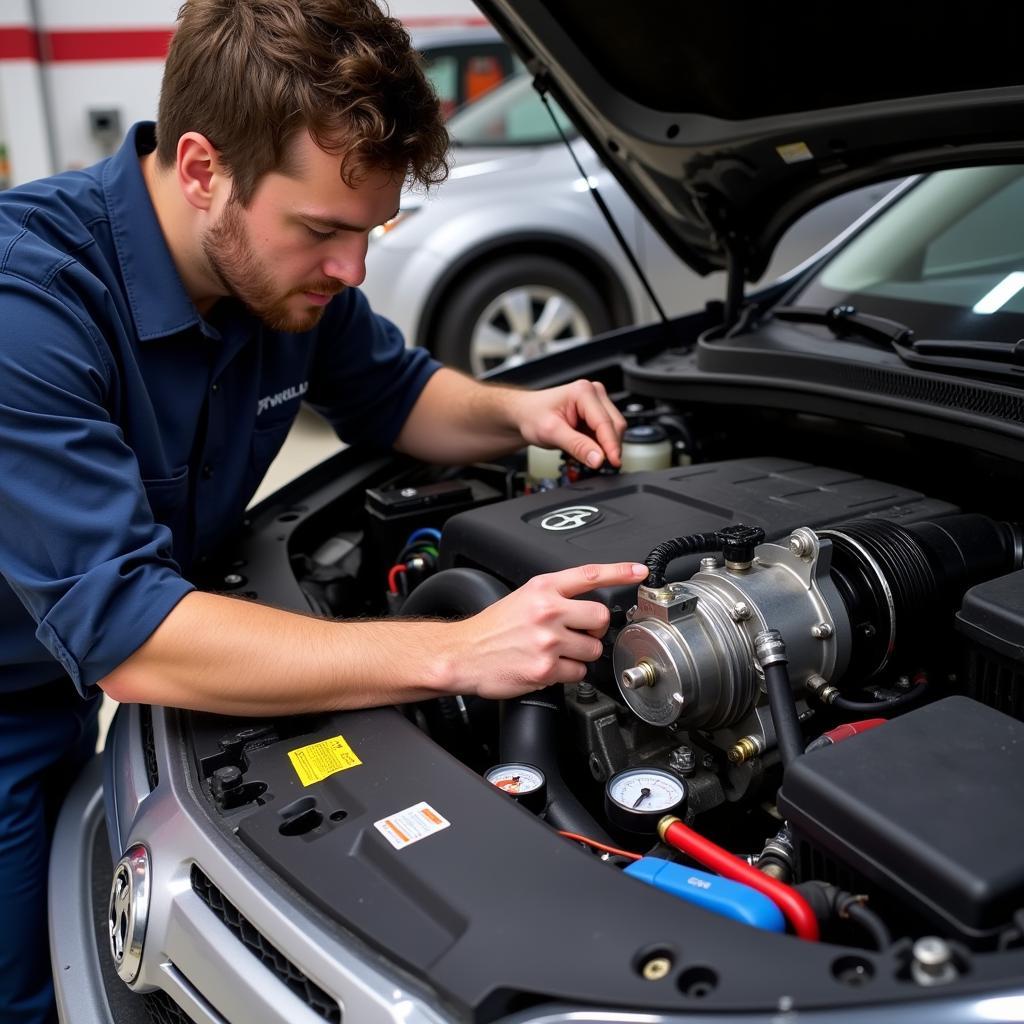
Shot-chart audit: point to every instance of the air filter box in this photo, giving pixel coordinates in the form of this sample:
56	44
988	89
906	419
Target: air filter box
929	806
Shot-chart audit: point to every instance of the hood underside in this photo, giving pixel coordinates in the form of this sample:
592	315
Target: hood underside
726	123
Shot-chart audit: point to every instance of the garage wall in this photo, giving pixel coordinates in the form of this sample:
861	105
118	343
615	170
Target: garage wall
73	75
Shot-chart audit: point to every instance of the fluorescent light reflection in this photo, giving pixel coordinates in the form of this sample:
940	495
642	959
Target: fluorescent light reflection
1001	294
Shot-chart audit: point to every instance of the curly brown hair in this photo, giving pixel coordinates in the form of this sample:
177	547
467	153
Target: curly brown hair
250	74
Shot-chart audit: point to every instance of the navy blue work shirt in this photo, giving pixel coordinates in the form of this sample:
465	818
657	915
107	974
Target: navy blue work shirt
133	432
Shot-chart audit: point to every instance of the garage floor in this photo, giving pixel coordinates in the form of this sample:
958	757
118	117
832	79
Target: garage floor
311	441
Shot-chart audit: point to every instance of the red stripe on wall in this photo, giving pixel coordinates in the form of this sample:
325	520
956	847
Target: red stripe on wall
18	43
108	44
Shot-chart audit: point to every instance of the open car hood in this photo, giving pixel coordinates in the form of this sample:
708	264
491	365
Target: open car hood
725	124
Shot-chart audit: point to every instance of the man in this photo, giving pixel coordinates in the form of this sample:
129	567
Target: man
152	307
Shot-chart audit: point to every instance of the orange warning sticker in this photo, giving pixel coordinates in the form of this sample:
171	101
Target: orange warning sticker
406	827
320	760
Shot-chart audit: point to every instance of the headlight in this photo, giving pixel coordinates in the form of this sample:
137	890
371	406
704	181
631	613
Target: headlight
382	229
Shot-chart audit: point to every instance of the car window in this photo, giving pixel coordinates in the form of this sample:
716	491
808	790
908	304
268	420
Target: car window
443	74
511	115
947	259
462	73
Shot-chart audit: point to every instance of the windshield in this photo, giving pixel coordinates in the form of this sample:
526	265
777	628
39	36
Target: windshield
510	115
947	260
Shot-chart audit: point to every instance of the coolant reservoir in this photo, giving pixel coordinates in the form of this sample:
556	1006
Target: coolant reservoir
645	447
543	463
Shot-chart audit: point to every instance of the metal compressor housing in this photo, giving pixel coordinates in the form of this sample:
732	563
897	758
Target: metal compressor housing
687	654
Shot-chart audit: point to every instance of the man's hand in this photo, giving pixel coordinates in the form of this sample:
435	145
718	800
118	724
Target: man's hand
578	418
537	635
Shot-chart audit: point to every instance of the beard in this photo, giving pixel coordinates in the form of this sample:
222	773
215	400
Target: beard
234	261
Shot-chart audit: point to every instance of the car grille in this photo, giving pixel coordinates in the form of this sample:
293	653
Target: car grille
271	958
149	745
162	1009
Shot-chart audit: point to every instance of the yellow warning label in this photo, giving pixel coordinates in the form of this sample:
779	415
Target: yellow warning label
319	760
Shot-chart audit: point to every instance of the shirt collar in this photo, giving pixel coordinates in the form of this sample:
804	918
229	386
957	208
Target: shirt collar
159	303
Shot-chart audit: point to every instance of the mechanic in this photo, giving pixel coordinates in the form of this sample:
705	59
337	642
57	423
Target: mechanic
164	314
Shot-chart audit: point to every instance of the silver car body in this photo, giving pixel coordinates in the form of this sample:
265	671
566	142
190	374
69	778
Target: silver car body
504	201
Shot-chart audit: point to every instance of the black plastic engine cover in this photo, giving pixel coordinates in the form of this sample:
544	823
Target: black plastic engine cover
622	518
929	806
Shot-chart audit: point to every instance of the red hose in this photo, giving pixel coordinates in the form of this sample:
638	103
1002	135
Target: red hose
848	729
796	909
393	577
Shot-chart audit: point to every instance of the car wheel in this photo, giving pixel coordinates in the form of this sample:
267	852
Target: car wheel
517	310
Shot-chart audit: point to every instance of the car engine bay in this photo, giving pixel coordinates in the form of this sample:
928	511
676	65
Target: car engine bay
808	719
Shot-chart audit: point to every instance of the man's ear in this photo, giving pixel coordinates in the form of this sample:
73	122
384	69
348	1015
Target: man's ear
201	173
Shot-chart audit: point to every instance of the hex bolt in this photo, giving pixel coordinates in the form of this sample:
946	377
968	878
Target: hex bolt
708	762
740	611
682	760
821	631
711	562
586	693
933	961
801	543
642	674
233	579
656	968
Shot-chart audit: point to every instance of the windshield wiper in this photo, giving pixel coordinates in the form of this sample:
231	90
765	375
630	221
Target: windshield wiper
981	351
845	321
977	358
980	358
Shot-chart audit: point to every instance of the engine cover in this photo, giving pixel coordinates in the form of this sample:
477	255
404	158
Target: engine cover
622	518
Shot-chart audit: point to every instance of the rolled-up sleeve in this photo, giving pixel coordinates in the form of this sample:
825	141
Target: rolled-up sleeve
364	380
78	542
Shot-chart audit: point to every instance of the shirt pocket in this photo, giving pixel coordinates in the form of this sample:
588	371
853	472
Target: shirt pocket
266	443
168	500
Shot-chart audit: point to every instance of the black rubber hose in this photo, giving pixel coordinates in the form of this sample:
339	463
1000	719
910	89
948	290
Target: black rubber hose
454	592
875	707
871	923
529	733
788	734
530	724
693	544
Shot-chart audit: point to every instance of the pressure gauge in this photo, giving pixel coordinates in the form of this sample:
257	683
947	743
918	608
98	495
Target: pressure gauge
525	783
637	798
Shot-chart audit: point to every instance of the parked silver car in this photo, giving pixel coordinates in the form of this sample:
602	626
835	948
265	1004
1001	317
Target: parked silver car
512	259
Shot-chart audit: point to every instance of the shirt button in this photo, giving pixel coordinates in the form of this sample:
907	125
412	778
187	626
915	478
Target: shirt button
207	471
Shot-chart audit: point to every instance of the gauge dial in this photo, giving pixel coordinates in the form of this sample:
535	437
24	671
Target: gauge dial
525	783
637	798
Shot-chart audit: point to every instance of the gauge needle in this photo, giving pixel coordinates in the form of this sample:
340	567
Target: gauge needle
644	794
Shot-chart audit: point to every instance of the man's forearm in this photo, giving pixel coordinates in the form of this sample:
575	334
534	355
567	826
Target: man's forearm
457	419
229	656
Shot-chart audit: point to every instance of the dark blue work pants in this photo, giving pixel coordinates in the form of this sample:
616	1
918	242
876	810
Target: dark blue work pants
46	736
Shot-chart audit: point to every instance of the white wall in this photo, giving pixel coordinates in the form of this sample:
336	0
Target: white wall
131	86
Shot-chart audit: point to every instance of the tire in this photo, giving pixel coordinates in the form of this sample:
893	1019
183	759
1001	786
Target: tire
492	319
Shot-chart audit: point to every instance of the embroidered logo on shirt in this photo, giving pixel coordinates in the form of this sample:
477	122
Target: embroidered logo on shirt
271	401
